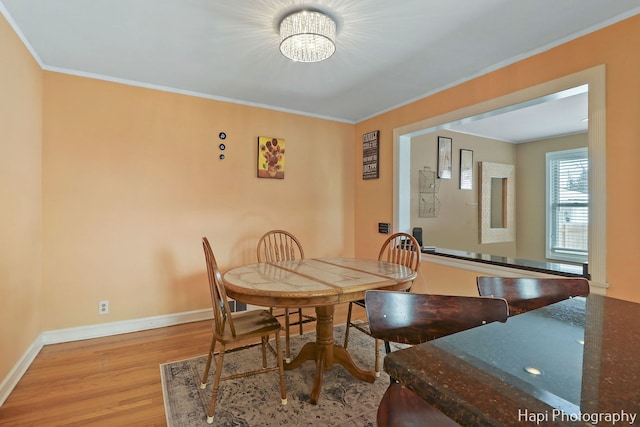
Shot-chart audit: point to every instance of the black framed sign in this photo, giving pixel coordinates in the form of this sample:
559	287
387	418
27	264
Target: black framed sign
370	153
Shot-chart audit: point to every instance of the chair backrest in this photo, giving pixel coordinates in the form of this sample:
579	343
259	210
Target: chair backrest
409	318
401	248
529	293
279	245
221	311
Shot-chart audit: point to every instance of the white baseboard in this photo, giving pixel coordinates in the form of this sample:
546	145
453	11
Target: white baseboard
93	331
123	327
18	370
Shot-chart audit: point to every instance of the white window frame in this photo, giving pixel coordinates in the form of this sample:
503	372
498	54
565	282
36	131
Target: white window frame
551	223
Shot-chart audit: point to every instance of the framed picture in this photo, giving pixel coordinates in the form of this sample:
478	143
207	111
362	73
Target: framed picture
270	157
444	157
370	153
466	169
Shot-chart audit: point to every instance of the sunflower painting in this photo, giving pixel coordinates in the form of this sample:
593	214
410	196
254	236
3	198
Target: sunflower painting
270	157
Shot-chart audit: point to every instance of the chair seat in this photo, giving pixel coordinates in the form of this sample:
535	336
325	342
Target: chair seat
400	407
360	302
276	312
530	293
250	324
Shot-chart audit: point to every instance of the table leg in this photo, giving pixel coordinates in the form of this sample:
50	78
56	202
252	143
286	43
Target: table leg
326	353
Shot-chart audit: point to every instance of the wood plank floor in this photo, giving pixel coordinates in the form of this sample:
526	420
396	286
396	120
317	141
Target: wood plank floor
111	381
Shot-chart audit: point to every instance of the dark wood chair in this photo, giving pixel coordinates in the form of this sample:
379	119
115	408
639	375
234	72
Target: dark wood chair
229	328
400	407
529	293
399	248
409	318
280	245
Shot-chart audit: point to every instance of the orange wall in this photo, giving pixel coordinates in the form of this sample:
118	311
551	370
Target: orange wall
20	198
616	46
132	181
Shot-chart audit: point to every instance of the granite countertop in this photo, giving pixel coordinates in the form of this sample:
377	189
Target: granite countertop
586	349
556	268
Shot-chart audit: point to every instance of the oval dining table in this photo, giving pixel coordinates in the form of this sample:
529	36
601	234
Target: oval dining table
320	283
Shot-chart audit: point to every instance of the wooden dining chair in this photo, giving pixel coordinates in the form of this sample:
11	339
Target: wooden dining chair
280	245
409	318
399	248
229	328
529	293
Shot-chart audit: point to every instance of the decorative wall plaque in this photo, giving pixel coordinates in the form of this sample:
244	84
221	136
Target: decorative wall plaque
370	153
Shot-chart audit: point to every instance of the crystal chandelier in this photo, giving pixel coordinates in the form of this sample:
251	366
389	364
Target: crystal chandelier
307	36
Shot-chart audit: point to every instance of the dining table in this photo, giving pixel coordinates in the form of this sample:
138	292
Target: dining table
320	283
572	363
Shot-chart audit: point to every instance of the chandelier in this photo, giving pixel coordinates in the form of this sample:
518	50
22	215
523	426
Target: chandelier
307	36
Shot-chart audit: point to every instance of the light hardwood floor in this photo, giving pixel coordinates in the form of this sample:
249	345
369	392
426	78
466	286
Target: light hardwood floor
111	381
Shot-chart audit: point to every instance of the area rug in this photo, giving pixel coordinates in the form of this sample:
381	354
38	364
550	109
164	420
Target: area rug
255	400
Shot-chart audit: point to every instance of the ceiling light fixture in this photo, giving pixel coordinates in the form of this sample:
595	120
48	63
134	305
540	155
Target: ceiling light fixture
307	36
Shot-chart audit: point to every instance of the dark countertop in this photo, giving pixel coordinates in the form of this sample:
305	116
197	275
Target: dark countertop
586	348
556	268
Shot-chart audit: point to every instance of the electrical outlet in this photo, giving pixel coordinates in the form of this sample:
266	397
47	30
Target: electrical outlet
103	307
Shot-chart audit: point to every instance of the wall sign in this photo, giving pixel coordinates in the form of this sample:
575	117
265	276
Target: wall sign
370	153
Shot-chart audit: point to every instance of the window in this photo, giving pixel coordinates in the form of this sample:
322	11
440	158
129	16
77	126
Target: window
568	205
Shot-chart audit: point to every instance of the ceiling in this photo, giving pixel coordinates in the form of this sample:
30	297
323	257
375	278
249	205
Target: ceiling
558	114
388	53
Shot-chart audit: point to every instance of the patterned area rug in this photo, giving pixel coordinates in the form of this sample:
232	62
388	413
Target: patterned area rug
255	400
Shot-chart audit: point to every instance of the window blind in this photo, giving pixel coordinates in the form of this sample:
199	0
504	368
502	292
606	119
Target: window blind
568	203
